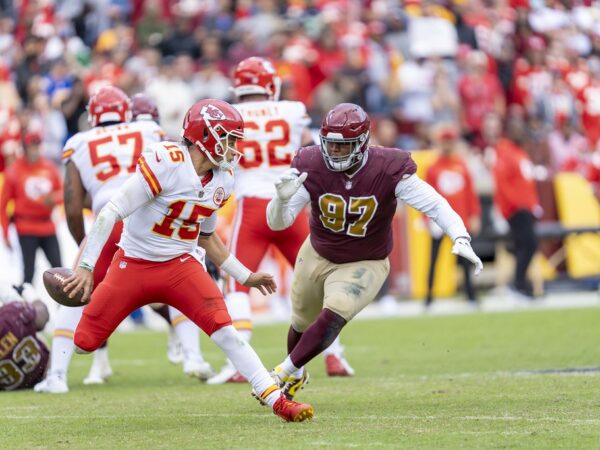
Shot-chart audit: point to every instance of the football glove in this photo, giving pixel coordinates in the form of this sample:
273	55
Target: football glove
462	247
289	183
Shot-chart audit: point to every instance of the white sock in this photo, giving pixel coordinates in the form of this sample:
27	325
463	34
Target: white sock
247	362
62	342
101	356
188	334
335	348
60	356
288	367
238	305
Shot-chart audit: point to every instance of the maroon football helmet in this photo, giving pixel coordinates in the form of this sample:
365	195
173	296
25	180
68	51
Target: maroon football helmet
108	104
215	126
346	123
143	108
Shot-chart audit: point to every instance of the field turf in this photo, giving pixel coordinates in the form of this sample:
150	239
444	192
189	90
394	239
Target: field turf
474	381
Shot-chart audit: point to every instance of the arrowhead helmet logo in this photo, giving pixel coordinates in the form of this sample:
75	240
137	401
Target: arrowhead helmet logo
211	112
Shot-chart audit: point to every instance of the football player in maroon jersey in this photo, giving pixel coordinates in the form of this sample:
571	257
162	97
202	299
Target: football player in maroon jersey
353	190
23	356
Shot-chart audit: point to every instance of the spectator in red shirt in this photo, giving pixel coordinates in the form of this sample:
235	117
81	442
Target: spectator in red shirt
35	186
480	92
516	198
450	176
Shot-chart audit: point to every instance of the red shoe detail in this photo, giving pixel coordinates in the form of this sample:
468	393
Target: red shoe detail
237	378
291	411
335	367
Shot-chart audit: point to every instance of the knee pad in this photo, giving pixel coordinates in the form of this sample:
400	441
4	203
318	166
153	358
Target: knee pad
340	304
219	320
85	342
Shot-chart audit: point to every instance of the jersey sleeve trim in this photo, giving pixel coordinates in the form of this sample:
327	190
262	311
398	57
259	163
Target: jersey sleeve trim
67	153
149	176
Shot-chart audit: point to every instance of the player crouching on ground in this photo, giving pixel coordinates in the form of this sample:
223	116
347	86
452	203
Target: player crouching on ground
353	190
176	189
23	356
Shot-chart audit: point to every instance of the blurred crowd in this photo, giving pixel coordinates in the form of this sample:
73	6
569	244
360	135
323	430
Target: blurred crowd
416	66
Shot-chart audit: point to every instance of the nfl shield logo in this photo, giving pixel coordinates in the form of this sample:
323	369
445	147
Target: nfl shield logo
122	264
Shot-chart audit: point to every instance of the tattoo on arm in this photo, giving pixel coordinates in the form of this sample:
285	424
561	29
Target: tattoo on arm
74	194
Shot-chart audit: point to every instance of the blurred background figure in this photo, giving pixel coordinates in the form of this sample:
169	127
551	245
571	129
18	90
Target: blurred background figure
34	184
517	199
23	356
450	176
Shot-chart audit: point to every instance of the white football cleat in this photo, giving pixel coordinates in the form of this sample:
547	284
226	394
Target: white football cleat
52	385
174	352
228	374
198	368
100	370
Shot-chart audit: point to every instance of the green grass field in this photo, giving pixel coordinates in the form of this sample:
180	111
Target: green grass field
428	382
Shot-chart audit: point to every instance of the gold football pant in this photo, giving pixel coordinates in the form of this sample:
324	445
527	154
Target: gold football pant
343	288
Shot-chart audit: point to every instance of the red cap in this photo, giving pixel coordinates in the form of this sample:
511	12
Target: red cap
536	43
448	134
32	137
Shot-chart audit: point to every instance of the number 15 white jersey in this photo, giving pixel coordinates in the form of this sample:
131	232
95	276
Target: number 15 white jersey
106	156
272	134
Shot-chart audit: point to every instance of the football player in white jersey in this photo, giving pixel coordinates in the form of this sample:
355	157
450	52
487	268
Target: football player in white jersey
184	336
98	162
274	130
170	205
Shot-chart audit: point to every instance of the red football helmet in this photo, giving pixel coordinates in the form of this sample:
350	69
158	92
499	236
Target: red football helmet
215	126
346	123
256	75
143	108
108	104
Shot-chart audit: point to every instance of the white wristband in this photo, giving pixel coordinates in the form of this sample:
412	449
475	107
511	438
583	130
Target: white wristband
236	269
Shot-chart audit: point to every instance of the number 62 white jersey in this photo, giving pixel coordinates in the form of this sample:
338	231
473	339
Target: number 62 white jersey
272	135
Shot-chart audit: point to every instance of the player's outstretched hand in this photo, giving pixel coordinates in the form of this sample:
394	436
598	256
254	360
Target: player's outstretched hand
289	183
81	279
262	281
462	247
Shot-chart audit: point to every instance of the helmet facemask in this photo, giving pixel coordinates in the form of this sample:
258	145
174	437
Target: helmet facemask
227	156
343	162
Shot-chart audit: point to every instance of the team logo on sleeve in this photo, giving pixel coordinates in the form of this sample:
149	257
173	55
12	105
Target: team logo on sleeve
211	112
219	196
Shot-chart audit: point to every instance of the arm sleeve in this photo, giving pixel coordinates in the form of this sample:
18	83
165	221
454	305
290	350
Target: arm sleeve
280	215
421	196
132	195
209	225
57	189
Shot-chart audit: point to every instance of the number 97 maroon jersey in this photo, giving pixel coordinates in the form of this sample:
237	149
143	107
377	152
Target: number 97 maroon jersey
23	357
351	216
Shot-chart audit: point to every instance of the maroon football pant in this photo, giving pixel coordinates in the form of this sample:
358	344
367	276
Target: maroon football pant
252	236
131	283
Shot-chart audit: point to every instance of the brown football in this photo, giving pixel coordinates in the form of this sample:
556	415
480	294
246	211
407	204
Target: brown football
54	279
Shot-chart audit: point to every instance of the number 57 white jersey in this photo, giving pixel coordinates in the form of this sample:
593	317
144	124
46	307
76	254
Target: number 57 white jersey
272	134
106	156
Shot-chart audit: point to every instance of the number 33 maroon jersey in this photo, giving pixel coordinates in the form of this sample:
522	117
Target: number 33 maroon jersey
23	357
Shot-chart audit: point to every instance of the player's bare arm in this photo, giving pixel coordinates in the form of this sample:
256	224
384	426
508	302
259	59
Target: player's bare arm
218	253
74	197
